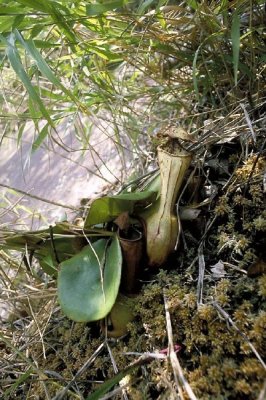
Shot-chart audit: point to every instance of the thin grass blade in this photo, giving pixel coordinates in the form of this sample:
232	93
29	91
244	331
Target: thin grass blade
235	36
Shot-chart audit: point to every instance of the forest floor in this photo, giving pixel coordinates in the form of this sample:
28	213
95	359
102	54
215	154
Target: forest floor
206	305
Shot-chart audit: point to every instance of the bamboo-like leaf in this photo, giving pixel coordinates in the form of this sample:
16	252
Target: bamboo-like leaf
34	110
7	10
54	11
15	61
40	138
42	65
193	4
88	283
97	8
235	36
41	44
20	133
143	7
160	4
6	23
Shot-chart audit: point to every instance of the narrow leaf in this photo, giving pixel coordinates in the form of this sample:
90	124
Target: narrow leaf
97	9
20	133
22	378
143	7
6	23
195	72
40	138
193	4
15	61
235	35
42	65
52	9
110	383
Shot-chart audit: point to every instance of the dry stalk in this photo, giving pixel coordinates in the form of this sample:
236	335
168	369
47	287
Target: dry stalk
39	198
61	395
228	319
121	386
201	275
262	394
177	369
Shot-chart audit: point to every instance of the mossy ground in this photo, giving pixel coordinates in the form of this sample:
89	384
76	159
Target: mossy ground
216	349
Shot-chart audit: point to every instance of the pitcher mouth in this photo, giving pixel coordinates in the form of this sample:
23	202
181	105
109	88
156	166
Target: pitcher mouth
176	150
134	235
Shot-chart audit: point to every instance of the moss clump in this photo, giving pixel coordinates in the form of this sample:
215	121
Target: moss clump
213	355
241	214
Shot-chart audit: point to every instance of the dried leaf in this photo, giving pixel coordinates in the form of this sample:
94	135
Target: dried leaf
218	270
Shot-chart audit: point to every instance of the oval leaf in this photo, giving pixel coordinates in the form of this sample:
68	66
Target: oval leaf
88	282
106	209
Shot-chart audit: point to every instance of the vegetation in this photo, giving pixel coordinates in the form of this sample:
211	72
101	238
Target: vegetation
171	78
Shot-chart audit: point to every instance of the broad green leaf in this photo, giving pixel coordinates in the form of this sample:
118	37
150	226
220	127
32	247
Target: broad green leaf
106	209
47	251
97	9
36	29
48	265
17	22
235	36
6	10
15	61
88	283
